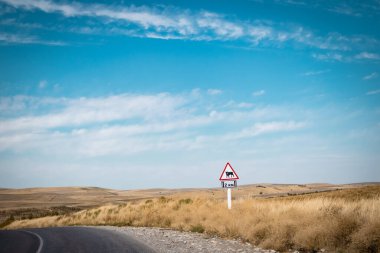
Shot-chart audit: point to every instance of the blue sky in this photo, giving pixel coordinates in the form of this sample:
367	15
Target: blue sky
162	94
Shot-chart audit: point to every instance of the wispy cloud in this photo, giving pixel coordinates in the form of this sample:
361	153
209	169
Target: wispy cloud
6	38
234	104
367	55
155	22
314	73
244	105
129	123
163	22
265	128
345	10
255	130
329	57
370	76
42	84
373	92
367	9
84	111
344	57
214	91
350	8
258	93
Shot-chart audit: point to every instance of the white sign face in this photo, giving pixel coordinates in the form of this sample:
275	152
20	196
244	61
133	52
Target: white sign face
228	173
229	184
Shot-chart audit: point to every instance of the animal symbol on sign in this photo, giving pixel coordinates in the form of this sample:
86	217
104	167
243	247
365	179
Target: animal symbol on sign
229	174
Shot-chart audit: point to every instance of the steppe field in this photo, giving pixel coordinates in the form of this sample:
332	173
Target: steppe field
338	218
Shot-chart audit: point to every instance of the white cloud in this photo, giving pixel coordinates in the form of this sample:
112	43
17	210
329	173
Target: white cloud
353	8
6	38
138	133
84	111
42	84
370	76
129	123
345	10
373	92
349	8
107	140
258	93
13	104
329	57
244	105
255	130
163	22
195	92
265	128
221	27
333	56
157	22
260	33
233	104
214	91
56	87
314	73
367	55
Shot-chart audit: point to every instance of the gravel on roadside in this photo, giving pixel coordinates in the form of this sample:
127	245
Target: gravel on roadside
171	241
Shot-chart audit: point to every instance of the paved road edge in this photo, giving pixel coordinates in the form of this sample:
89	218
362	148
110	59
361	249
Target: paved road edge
39	238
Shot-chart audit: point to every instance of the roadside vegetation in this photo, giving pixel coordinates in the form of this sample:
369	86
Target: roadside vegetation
9	215
341	221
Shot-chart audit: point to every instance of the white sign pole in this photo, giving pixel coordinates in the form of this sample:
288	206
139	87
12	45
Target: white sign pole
229	198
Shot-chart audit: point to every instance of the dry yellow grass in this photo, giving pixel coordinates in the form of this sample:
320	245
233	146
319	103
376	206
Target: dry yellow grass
39	202
340	221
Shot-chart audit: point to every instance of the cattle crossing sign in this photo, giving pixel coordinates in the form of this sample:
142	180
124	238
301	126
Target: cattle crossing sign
228	179
228	173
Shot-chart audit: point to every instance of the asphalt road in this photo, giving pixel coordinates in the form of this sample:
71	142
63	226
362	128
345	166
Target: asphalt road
69	239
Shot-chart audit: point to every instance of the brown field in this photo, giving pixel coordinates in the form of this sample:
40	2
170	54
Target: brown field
343	218
39	202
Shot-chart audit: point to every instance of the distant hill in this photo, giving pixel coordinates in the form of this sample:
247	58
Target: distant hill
84	197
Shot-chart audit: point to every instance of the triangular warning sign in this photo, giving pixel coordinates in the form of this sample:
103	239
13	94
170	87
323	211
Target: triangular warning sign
228	173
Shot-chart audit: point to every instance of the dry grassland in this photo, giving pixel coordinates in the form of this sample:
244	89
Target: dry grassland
16	204
345	220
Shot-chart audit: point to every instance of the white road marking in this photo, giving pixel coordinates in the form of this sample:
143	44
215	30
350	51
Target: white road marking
39	238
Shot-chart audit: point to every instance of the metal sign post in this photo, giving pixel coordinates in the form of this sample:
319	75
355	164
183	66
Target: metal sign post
228	179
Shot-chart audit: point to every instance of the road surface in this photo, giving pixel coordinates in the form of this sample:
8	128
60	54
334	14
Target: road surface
68	239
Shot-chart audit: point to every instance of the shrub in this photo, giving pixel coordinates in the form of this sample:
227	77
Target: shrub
197	228
185	201
8	221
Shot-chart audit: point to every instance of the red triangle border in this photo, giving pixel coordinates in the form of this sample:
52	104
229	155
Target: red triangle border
225	167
